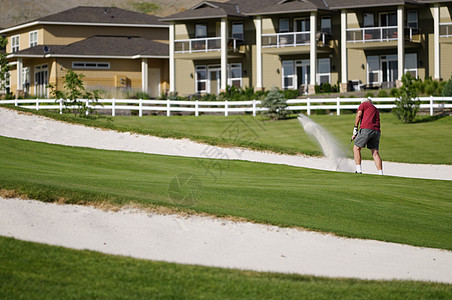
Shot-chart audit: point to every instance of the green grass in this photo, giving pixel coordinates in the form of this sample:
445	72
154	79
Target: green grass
402	210
427	141
35	271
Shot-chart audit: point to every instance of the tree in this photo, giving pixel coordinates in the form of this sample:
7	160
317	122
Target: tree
76	97
4	67
276	104
407	103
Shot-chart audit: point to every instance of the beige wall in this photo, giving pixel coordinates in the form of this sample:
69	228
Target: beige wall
24	37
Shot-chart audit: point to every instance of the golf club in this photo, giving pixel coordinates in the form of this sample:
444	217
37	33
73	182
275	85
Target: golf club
344	154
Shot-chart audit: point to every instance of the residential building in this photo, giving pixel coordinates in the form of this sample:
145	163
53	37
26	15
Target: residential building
112	47
300	44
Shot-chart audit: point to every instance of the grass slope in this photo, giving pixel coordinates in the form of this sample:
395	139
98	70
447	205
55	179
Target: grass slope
35	271
427	141
410	211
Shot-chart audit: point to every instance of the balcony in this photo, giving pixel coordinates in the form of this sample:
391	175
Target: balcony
445	30
207	47
381	34
285	43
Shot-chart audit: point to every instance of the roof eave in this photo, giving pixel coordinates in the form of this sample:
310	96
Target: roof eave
203	18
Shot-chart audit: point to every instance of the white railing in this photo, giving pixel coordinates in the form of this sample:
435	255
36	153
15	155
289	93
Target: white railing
445	30
287	39
204	45
379	34
253	106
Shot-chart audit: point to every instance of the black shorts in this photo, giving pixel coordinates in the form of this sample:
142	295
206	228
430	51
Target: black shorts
369	138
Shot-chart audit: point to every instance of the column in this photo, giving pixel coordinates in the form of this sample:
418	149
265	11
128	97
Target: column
172	62
436	47
313	53
144	75
400	43
224	54
259	73
344	58
19	88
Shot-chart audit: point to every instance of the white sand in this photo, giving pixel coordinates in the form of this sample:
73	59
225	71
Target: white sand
220	243
208	241
36	128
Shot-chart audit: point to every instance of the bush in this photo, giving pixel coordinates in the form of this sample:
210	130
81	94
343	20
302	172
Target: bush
382	93
407	104
369	94
276	104
291	94
447	89
142	95
394	92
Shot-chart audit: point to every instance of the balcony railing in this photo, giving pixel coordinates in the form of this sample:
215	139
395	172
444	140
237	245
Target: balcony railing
292	39
205	45
445	30
380	34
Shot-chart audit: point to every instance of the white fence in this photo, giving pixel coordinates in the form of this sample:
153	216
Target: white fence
169	106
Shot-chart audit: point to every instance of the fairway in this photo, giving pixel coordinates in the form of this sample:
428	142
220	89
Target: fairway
410	211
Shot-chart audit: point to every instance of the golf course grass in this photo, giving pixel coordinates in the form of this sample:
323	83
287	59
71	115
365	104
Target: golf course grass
402	210
427	141
35	271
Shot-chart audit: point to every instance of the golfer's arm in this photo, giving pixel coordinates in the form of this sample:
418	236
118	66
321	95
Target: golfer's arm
359	114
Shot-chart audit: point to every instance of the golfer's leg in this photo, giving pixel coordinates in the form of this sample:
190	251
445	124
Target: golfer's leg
377	159
357	156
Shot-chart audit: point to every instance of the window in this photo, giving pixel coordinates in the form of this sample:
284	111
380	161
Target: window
5	84
323	74
237	31
26	80
33	37
388	19
412	19
368	20
288	74
90	65
235	75
325	25
373	69
302	25
41	80
200	30
284	25
201	79
15	44
411	64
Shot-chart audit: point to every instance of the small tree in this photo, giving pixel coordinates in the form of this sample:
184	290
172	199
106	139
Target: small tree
4	67
407	103
75	95
447	90
276	104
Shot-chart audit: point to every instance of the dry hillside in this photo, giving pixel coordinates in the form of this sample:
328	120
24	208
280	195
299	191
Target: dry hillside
14	12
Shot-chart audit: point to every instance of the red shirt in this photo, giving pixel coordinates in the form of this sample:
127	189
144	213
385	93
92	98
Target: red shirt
371	117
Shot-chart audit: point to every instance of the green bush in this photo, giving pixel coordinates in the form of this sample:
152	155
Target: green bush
291	94
407	103
276	104
447	89
141	95
394	92
369	94
382	93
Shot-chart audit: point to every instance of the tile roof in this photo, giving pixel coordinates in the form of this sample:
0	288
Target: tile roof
337	4
101	46
207	9
257	7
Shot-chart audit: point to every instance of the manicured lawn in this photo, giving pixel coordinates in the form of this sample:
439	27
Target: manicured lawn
35	271
410	211
427	141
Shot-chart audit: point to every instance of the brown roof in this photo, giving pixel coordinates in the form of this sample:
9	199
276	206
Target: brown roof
120	46
338	4
206	10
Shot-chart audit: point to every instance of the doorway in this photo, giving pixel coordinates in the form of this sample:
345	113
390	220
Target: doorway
215	80
389	70
154	82
303	69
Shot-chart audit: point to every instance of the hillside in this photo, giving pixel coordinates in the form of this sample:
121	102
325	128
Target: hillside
14	12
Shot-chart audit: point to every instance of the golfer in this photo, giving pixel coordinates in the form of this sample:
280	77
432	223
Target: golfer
368	134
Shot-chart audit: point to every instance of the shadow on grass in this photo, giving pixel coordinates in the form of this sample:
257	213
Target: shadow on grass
426	119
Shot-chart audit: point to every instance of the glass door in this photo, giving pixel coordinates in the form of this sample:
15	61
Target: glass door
389	69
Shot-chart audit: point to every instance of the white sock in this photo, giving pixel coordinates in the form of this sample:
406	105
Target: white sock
380	172
359	169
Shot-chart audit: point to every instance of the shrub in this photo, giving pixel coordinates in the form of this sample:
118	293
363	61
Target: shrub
142	95
407	104
394	92
276	104
382	93
291	94
447	89
369	94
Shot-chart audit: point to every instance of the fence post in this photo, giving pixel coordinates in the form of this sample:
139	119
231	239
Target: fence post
196	108
254	108
226	108
61	106
15	101
37	104
309	106
140	112
87	107
113	108
168	108
338	110
431	105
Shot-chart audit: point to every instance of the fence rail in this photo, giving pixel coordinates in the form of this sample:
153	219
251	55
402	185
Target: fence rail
253	106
